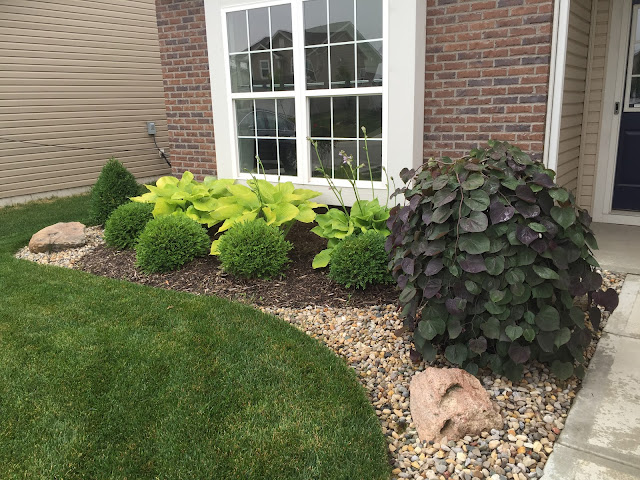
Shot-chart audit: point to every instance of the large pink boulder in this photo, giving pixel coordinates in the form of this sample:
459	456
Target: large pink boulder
60	236
449	402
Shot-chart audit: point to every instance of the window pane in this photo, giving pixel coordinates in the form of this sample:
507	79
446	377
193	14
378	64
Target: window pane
370	64
344	118
341	20
283	69
268	152
288	157
375	160
281	26
634	94
266	118
247	154
369	19
315	22
239	73
320	116
261	71
244	118
342	66
286	117
324	159
316	66
371	116
259	28
350	147
237	31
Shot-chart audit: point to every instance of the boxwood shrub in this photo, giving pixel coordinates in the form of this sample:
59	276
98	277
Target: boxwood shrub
114	186
126	223
360	261
490	255
170	241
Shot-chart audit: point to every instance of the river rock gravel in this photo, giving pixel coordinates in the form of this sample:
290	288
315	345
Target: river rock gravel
372	342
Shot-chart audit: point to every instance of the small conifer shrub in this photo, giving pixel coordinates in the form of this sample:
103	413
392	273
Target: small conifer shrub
114	187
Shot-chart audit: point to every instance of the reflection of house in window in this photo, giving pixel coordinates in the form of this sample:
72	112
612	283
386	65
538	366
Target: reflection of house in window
264	69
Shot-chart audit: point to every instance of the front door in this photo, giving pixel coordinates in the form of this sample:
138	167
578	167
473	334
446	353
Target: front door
626	190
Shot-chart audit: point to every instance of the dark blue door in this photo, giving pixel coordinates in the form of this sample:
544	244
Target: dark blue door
626	190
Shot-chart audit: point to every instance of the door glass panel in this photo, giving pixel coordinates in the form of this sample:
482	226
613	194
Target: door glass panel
341	20
320	117
634	93
315	22
369	19
281	36
259	29
237	31
342	66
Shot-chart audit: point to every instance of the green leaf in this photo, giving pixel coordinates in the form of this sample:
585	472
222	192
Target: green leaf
545	272
431	327
474	243
559	194
529	317
529	334
495	265
548	319
443	197
474	181
442	213
514	276
562	370
472	287
565	217
511	183
456	353
475	223
407	294
322	259
491	328
562	336
537	227
428	352
496	296
477	200
513	332
471	368
454	328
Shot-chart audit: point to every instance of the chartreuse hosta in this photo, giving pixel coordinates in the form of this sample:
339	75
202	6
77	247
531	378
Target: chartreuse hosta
221	201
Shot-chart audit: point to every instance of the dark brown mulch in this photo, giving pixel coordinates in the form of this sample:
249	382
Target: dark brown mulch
301	286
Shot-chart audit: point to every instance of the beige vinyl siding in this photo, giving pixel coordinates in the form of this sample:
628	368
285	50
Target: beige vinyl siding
574	94
79	79
593	106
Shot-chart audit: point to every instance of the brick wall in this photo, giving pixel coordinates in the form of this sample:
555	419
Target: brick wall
487	74
187	92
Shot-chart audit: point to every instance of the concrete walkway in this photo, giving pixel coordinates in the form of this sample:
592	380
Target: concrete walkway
601	438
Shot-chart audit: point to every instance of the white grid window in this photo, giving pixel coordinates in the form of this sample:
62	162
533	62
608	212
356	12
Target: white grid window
323	58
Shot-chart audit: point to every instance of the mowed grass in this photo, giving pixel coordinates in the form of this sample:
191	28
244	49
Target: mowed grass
101	379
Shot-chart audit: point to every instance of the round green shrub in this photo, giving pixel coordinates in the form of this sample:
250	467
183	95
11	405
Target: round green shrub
124	225
490	255
254	250
170	241
360	260
114	187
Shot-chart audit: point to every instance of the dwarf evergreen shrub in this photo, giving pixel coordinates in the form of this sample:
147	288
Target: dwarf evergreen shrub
114	187
360	260
490	254
125	224
254	250
170	241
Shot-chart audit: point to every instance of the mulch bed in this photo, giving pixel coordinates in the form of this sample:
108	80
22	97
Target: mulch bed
300	286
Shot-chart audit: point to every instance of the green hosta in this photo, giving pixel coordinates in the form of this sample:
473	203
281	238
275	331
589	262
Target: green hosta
196	200
490	254
279	205
336	224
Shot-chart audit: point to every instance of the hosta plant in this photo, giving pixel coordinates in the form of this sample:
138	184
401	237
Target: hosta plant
339	223
490	255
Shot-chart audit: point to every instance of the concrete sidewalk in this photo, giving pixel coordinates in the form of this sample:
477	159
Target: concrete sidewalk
601	438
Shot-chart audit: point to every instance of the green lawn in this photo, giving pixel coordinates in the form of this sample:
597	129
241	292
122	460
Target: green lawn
105	379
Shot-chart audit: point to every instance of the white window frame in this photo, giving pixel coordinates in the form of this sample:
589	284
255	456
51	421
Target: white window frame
403	93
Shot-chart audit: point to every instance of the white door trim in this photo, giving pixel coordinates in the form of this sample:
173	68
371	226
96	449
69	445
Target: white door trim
556	82
617	44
